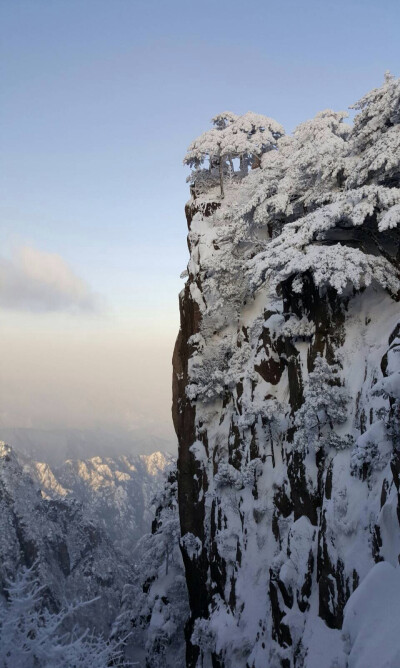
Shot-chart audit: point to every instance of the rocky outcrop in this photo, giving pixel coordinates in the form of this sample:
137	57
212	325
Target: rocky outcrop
286	393
191	475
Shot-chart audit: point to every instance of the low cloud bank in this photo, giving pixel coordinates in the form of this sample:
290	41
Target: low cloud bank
34	280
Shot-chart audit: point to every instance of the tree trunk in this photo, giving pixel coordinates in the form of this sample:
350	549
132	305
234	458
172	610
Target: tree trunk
272	445
221	177
243	165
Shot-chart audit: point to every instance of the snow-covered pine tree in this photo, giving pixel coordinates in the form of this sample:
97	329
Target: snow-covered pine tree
307	168
324	407
246	137
329	199
375	143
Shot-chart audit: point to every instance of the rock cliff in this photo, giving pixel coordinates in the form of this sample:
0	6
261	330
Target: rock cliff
286	383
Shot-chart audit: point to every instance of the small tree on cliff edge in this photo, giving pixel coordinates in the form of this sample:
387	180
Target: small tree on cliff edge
245	137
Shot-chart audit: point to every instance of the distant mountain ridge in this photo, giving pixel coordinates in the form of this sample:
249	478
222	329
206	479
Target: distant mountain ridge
115	492
54	446
79	523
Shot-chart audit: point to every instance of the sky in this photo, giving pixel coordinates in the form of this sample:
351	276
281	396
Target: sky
99	101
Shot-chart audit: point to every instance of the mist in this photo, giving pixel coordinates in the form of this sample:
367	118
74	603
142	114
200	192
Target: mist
85	387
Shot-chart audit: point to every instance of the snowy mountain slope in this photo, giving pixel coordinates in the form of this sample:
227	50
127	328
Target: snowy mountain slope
116	493
74	558
286	386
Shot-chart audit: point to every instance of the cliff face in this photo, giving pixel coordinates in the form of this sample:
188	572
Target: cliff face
286	391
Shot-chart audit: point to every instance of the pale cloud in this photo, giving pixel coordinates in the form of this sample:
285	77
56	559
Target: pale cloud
34	280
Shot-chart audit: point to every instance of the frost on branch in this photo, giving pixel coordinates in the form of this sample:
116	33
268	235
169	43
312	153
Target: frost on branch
340	267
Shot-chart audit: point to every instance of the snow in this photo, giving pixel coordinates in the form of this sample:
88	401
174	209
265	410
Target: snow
32	635
324	646
371	620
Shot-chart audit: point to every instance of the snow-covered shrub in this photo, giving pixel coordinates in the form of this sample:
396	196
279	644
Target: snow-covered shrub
32	635
339	441
296	327
192	545
226	541
325	404
228	476
203	635
269	410
218	369
251	472
208	372
372	451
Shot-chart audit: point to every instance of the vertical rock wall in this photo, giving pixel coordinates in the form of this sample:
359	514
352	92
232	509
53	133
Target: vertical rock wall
282	519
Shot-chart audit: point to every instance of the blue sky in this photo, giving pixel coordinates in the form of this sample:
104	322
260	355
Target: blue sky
100	99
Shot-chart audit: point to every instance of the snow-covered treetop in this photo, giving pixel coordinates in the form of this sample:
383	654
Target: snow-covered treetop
376	134
379	109
251	134
325	201
305	166
234	136
225	118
